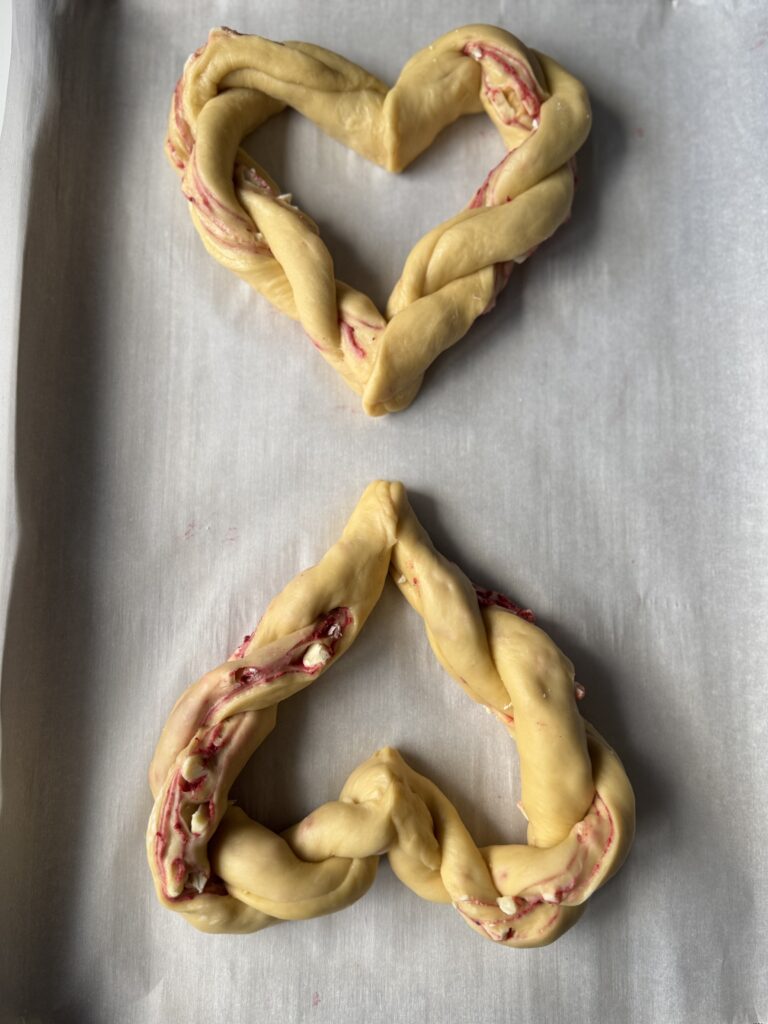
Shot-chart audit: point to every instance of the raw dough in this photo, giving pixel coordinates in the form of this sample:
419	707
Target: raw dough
226	873
234	83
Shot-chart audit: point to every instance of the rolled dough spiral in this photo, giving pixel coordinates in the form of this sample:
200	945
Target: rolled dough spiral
234	83
227	873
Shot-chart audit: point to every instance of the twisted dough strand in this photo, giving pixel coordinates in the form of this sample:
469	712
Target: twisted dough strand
575	794
234	83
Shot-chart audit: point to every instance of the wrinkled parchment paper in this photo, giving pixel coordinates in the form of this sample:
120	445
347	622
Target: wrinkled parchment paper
175	451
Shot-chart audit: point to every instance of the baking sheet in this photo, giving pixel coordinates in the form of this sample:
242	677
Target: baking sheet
176	451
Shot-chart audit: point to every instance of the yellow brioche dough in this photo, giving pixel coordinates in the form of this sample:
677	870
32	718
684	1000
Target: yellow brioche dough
234	83
226	873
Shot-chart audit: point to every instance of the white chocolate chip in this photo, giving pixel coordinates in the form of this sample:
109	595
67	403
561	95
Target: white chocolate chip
316	654
402	579
192	768
476	52
197	880
507	904
200	819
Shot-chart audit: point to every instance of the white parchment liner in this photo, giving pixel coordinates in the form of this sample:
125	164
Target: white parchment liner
175	451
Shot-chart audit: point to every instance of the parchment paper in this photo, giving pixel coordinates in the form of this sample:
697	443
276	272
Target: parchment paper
176	451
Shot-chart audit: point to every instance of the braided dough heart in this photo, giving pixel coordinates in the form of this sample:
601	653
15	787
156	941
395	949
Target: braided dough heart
234	83
226	873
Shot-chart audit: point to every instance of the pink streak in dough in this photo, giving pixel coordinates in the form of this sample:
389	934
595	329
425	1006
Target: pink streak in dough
211	748
480	197
521	80
351	325
239	652
241	235
570	882
596	827
330	628
348	334
611	834
173	153
182	125
493	928
171	821
487	598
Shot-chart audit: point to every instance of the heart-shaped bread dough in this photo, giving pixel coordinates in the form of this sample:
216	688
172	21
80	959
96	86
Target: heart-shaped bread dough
234	83
226	873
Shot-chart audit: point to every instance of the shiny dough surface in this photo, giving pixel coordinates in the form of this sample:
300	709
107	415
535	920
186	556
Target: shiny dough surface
227	873
235	82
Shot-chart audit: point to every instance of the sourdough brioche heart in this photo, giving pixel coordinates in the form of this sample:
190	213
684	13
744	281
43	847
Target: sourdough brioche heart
227	873
234	83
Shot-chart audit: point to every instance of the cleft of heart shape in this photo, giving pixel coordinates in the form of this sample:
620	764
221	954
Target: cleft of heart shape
235	82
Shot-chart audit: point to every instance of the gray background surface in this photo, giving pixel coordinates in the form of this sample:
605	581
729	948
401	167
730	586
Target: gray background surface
176	451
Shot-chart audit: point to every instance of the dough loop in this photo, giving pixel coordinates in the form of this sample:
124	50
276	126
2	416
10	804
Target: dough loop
226	873
234	83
